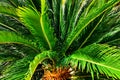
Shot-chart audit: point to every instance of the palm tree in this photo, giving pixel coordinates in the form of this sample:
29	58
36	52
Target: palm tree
59	39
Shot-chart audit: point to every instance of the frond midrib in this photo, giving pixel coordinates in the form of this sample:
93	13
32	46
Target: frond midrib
97	63
68	45
42	27
91	32
6	26
20	43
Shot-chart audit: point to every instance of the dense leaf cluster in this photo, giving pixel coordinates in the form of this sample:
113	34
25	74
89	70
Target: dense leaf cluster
81	34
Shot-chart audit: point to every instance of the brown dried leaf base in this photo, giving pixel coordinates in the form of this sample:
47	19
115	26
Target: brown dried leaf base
57	74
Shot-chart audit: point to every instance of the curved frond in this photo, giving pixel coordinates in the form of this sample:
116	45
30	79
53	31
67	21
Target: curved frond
46	25
85	20
9	38
5	60
62	18
108	30
12	24
24	69
97	59
7	9
17	69
17	3
111	34
8	27
90	34
38	25
37	60
115	42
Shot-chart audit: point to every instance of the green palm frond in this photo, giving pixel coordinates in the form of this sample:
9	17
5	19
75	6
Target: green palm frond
8	27
29	63
84	21
115	42
5	60
81	34
7	9
56	10
97	59
45	26
12	24
38	27
91	33
9	38
31	19
36	4
108	29
37	60
16	3
114	32
17	69
62	18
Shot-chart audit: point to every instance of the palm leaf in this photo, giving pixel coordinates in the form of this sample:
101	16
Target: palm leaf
115	42
37	26
62	18
16	3
84	21
108	29
24	69
56	10
11	24
37	60
7	9
9	38
8	27
45	26
75	11
86	39
17	69
5	60
71	20
97	58
36	4
108	36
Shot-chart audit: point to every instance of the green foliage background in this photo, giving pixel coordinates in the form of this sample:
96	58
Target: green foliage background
83	34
